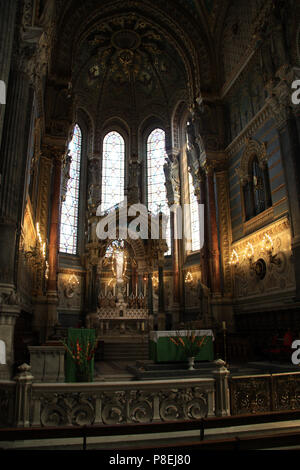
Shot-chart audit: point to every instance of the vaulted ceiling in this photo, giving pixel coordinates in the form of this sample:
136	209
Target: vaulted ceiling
137	55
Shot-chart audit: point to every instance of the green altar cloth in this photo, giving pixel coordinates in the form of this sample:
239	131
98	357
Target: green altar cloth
161	348
84	335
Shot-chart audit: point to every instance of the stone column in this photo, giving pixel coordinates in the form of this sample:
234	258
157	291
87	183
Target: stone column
140	284
200	192
94	289
7	29
224	228
214	242
150	294
134	281
161	316
176	266
13	158
172	183
52	290
222	403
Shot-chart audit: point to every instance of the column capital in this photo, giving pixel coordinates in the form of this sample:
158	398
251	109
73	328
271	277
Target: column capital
207	120
209	167
54	153
280	95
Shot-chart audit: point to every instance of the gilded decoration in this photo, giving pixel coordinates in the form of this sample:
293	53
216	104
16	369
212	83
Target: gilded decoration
70	291
32	270
262	262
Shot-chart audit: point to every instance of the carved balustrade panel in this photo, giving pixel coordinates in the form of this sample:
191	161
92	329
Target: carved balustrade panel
88	405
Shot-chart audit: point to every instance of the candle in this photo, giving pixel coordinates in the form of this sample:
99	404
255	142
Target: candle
224	325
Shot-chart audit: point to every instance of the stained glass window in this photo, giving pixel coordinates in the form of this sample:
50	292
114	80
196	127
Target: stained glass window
194	214
70	206
157	196
113	170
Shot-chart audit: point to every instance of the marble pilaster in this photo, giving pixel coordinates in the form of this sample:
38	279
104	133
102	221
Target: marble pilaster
214	242
52	290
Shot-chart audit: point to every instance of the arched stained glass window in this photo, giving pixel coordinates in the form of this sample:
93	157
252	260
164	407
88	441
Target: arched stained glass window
113	170
194	214
70	206
157	195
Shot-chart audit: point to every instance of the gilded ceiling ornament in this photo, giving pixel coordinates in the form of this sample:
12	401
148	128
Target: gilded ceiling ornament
126	50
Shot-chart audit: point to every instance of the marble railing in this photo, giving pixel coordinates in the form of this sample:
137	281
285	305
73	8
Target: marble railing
25	403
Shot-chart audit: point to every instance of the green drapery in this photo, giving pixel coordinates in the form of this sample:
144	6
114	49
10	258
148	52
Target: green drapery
165	351
84	336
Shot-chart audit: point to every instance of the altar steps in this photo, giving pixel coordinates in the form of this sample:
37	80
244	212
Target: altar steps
133	351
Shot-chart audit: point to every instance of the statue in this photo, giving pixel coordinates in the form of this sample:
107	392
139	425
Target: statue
193	150
171	170
119	257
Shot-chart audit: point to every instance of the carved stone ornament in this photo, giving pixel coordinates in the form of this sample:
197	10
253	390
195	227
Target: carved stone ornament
124	406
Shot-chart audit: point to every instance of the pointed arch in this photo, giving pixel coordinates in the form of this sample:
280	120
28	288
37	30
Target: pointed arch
70	205
113	170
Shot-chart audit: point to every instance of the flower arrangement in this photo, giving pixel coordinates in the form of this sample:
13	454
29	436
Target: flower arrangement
189	342
82	353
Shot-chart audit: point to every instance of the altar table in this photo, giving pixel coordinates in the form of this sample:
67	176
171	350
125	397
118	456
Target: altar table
162	349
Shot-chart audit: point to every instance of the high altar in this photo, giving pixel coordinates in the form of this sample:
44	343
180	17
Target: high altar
122	286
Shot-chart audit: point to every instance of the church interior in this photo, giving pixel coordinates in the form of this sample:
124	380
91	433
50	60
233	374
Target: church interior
180	115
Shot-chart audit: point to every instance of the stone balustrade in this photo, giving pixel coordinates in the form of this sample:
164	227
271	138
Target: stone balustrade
26	403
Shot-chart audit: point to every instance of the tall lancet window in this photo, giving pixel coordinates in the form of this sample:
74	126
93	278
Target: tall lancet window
157	195
194	215
113	170
70	206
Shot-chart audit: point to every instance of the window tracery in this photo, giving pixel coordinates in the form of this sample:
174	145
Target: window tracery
113	170
70	205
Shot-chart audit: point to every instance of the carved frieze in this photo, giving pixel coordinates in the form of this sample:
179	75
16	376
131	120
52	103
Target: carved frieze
117	407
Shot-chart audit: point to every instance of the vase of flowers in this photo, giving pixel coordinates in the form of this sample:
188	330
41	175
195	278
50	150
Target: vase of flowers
82	353
190	345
